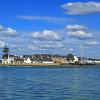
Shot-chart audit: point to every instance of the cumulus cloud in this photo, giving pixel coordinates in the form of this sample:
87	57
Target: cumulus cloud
40	45
47	39
52	45
75	27
80	8
43	18
80	34
94	42
46	35
1	28
2	44
7	31
71	49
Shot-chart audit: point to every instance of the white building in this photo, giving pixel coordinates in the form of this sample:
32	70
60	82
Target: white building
27	60
48	62
75	59
8	60
97	61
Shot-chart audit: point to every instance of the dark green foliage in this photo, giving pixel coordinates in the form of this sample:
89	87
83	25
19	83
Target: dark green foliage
70	57
5	53
5	56
5	50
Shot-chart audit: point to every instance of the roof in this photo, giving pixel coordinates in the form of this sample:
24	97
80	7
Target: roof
11	55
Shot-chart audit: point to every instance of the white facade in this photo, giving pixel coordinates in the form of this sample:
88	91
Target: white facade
97	62
48	62
75	59
90	61
27	61
10	60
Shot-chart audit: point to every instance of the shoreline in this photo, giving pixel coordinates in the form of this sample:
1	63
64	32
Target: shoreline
47	65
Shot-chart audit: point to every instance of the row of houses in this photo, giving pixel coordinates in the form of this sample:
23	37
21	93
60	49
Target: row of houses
47	58
36	58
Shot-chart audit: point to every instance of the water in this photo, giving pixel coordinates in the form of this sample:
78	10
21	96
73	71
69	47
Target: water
20	83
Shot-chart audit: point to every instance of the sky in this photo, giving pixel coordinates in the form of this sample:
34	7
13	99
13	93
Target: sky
50	26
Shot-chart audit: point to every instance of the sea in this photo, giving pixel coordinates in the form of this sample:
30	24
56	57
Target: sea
45	83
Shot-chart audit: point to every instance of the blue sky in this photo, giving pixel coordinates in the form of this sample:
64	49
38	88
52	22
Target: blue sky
51	26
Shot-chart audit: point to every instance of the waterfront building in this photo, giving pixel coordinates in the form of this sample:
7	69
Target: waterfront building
18	60
38	58
8	59
59	59
76	60
27	60
97	61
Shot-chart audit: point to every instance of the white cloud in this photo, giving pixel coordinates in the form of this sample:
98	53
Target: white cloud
7	31
80	34
1	27
40	45
52	45
71	49
2	44
46	35
10	30
78	31
92	42
80	8
46	39
75	27
31	47
43	18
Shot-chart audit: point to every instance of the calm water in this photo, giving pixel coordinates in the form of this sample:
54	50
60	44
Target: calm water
49	83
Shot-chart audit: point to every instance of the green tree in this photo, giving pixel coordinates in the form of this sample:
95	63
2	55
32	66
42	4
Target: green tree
5	53
70	57
5	50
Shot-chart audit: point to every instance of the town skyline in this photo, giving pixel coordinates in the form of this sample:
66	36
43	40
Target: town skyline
51	27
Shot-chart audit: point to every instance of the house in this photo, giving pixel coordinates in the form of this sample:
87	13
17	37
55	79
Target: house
76	60
27	60
59	59
38	58
18	60
97	61
8	59
46	58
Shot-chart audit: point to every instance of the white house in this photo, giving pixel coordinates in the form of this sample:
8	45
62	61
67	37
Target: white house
8	60
48	62
27	60
97	61
75	59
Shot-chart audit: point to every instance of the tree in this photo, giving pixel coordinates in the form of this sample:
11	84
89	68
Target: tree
5	53
5	50
70	57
